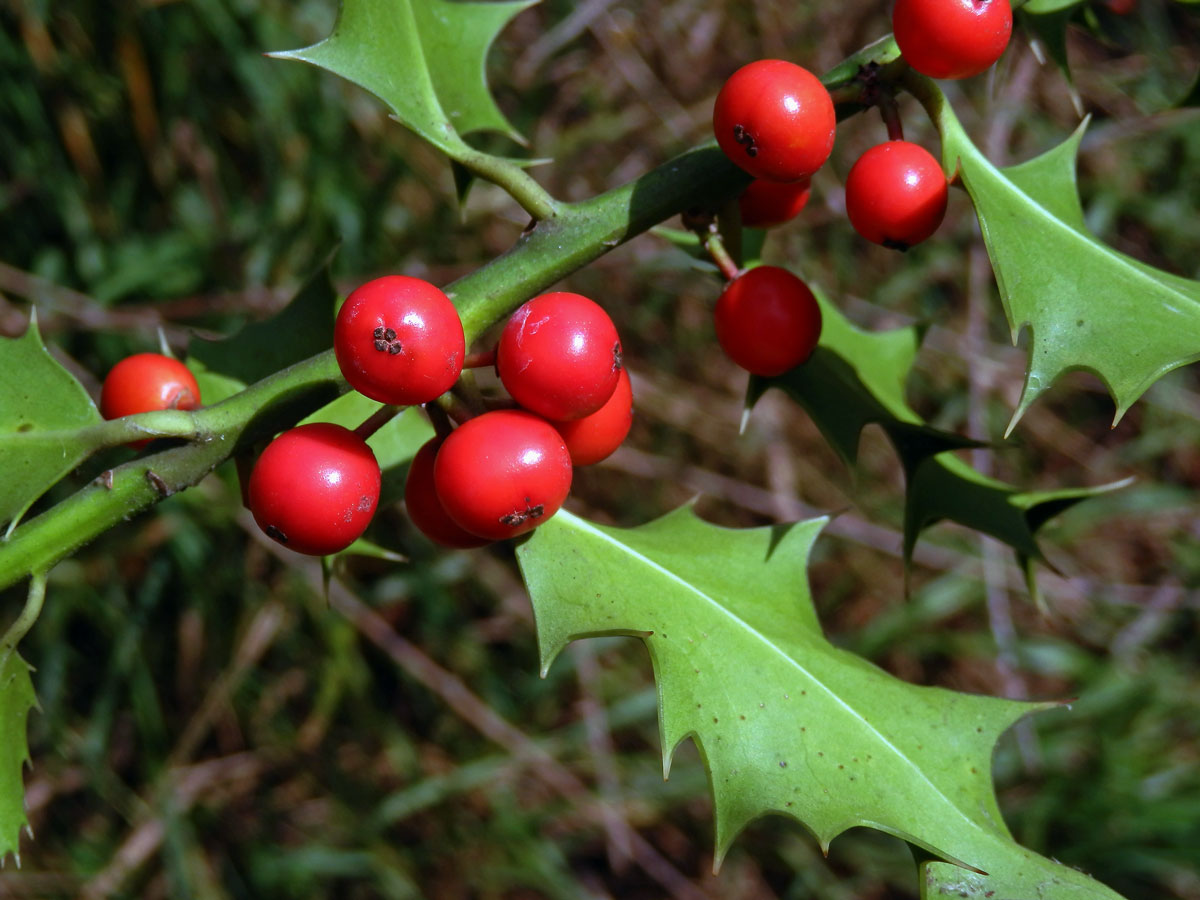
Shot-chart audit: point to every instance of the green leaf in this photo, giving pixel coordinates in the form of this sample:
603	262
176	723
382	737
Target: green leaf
301	329
16	700
785	722
425	59
856	378
944	487
456	37
1088	307
42	407
214	387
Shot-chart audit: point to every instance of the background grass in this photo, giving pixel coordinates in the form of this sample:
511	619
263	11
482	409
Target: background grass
211	728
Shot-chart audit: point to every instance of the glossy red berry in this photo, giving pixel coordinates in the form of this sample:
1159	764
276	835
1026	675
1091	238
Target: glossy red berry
147	382
765	204
775	119
896	194
502	473
952	38
767	320
399	340
559	356
595	437
315	488
425	508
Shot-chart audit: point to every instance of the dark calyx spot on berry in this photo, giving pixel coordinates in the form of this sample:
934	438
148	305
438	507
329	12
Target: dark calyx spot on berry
275	534
385	340
895	245
617	357
743	137
521	516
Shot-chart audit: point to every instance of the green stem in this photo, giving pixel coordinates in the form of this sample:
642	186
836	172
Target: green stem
167	423
714	244
926	92
843	79
586	231
553	249
519	184
29	615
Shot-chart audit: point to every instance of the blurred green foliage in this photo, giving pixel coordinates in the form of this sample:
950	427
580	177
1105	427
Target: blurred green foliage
211	726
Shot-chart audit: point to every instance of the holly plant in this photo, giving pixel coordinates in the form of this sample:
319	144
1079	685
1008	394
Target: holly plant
476	402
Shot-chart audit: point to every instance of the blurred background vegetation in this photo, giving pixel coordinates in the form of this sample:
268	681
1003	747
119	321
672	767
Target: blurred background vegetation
211	727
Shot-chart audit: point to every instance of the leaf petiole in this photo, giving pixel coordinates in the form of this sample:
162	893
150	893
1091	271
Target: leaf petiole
33	608
518	183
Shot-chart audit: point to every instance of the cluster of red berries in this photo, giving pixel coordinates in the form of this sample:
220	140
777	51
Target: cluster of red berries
776	120
399	340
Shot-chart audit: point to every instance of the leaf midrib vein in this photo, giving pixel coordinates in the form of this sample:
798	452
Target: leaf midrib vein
586	526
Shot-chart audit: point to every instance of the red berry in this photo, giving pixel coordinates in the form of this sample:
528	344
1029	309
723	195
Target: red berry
502	473
559	356
315	488
147	382
767	320
952	38
426	510
775	120
896	194
765	204
595	437
399	340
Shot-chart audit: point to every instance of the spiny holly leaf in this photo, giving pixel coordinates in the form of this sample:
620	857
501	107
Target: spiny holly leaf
456	37
1088	306
16	700
944	487
786	722
856	378
424	58
301	329
42	409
